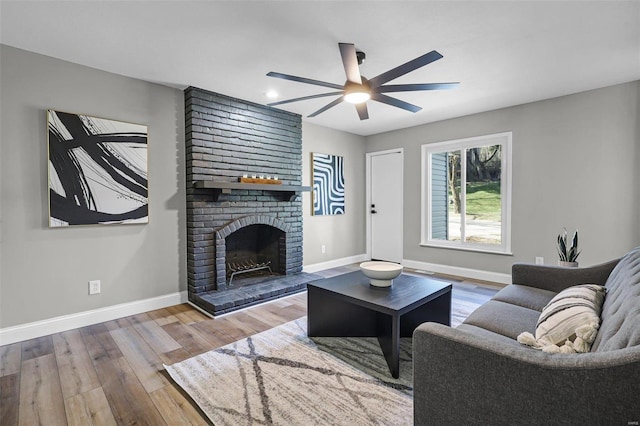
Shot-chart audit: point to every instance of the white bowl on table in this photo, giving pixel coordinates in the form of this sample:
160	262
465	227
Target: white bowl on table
381	274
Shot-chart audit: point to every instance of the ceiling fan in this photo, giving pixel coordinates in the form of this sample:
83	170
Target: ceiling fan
358	90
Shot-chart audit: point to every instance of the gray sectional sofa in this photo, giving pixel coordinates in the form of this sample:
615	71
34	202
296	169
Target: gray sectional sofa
478	373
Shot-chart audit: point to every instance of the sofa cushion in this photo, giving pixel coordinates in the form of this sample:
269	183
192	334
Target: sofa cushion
620	326
572	315
504	318
525	296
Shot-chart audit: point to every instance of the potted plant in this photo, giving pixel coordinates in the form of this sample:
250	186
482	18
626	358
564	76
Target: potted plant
568	254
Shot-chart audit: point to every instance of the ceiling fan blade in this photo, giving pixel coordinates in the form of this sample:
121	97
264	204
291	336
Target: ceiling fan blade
363	113
304	80
405	68
326	107
304	98
395	102
414	87
350	62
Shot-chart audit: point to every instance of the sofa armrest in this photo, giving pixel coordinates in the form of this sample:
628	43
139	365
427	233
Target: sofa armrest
467	379
556	278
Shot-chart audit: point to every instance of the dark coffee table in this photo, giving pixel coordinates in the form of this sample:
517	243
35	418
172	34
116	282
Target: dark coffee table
348	306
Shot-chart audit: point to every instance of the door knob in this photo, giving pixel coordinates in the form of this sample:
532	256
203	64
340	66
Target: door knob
373	212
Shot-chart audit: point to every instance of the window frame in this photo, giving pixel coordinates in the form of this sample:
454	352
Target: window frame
505	140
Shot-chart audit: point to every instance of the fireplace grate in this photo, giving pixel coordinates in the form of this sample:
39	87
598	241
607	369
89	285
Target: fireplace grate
237	268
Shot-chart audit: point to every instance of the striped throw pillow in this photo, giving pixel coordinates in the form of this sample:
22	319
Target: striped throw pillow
572	308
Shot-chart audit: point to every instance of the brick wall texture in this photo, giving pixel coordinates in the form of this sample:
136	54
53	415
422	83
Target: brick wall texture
226	138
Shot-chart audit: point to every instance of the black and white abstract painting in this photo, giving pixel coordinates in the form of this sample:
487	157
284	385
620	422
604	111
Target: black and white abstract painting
328	184
97	171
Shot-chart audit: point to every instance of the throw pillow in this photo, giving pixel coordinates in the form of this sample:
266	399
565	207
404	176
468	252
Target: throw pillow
570	321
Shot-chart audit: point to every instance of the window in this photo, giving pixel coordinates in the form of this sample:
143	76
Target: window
467	193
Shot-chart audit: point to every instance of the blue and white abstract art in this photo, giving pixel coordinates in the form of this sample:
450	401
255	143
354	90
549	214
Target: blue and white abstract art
328	184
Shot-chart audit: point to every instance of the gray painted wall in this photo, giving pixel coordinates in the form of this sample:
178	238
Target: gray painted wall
342	235
45	272
575	165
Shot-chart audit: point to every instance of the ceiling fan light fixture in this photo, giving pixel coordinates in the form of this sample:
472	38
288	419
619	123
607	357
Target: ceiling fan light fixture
356	93
357	97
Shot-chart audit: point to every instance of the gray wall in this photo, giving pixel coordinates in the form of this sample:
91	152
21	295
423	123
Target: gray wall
44	272
342	235
575	165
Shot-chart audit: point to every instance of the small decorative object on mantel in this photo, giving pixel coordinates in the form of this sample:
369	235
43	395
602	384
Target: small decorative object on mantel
267	181
568	255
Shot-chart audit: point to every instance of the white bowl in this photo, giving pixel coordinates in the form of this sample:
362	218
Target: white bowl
381	274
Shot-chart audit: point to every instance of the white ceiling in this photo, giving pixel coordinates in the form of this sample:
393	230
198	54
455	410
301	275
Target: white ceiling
503	53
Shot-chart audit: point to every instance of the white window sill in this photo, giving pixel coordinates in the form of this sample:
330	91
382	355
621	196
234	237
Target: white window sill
467	248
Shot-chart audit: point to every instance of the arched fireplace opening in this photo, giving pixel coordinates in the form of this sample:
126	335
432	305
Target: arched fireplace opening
251	248
253	251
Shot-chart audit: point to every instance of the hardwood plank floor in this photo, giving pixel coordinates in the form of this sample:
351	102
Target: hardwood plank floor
89	408
41	392
9	399
77	374
111	373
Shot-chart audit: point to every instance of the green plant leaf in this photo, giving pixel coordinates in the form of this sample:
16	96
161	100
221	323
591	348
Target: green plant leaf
562	246
573	253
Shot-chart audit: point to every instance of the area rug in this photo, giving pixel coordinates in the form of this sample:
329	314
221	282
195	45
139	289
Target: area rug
282	377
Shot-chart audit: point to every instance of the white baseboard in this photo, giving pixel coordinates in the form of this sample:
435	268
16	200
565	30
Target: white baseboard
461	272
334	263
59	324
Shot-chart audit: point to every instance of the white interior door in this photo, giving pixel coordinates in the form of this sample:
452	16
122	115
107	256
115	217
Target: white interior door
385	208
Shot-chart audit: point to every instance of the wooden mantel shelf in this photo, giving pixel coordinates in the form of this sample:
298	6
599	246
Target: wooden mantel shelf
288	191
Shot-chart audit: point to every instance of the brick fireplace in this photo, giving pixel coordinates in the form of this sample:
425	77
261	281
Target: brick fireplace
232	226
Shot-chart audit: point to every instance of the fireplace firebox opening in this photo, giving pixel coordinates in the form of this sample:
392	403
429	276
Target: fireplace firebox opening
250	248
253	250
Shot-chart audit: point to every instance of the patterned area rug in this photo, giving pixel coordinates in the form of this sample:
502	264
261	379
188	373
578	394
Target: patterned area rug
282	377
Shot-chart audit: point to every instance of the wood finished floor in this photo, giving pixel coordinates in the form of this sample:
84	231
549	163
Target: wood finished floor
111	373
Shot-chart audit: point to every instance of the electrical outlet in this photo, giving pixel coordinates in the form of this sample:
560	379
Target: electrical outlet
94	287
539	260
324	249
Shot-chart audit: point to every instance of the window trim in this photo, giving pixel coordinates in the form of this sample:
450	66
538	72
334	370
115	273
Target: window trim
504	139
